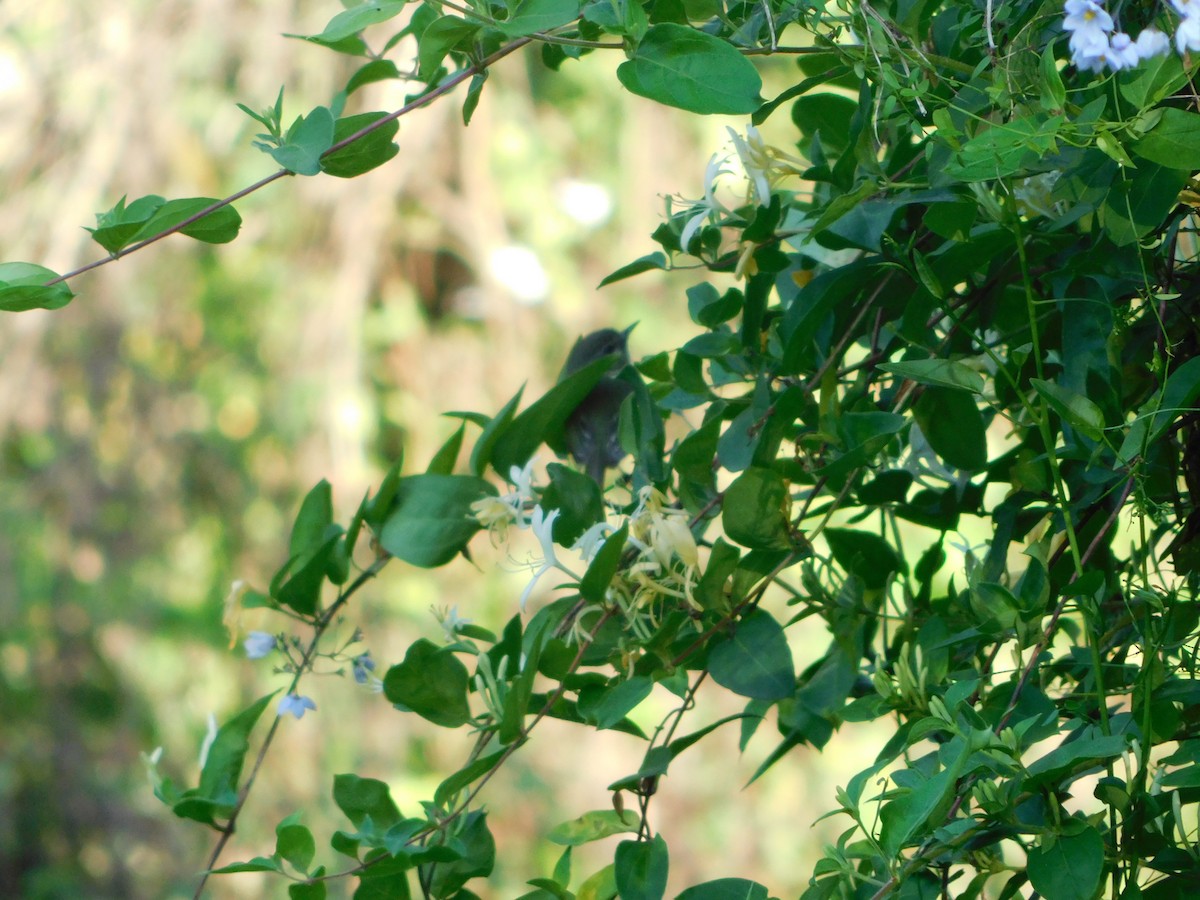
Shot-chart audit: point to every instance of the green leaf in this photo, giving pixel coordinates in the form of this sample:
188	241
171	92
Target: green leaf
1053	92
1075	409
365	800
294	843
532	16
754	511
1005	149
430	519
218	789
443	35
258	864
725	889
755	661
461	779
648	263
432	683
953	425
217	227
544	420
679	66
577	499
1174	142
828	115
1068	865
592	826
117	227
368	152
477	849
709	308
369	73
312	890
940	372
481	453
314	517
23	287
604	566
308	138
641	869
351	21
866	555
606	707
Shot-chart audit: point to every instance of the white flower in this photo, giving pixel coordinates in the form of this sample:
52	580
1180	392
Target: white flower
296	705
258	644
764	165
1093	60
497	513
592	540
209	736
756	162
1187	34
1122	52
543	529
450	621
709	205
1086	16
1187	8
1152	42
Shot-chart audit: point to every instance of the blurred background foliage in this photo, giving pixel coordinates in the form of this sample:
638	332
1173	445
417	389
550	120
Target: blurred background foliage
156	435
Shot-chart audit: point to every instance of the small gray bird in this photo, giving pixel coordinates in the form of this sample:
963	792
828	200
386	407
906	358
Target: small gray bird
591	430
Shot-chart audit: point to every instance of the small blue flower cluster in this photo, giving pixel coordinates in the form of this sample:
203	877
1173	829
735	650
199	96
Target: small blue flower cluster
1096	44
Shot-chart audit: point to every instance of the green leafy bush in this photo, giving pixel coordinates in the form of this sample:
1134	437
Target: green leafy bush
947	414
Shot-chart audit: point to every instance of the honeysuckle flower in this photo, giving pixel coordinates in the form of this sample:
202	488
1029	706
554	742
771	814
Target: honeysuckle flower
708	206
496	514
296	705
1152	42
210	735
258	644
1187	34
663	531
543	529
590	542
765	166
450	621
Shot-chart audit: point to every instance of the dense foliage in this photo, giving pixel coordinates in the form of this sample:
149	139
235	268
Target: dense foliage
947	415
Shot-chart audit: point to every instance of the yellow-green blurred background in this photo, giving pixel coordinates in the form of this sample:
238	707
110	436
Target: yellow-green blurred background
157	434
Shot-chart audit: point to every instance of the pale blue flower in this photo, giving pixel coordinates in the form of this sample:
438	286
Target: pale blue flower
296	705
1122	52
1152	42
362	667
258	644
1187	34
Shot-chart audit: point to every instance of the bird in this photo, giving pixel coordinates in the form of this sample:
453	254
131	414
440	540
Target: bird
591	430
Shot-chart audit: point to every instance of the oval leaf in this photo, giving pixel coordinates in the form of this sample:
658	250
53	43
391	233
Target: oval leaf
1075	409
688	69
755	661
430	520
